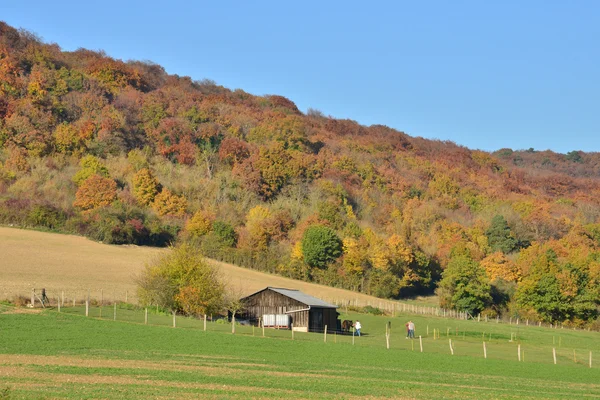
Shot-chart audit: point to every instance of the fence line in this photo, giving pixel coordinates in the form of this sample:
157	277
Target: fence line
389	307
194	323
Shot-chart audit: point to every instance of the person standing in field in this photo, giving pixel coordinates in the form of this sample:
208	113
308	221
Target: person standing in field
407	330
411	329
357	327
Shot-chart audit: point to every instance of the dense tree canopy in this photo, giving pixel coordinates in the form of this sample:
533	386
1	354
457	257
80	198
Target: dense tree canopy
124	153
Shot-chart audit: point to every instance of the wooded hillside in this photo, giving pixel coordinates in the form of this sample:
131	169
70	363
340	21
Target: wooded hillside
124	153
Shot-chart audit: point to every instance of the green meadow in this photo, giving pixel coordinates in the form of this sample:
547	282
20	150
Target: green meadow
67	355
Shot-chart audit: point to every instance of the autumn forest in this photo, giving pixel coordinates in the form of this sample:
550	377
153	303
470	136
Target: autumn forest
124	153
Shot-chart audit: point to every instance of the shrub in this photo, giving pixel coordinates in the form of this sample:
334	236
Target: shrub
225	233
372	310
182	280
46	216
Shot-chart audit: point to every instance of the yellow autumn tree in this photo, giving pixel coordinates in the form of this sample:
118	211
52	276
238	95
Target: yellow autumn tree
497	265
66	138
169	204
200	223
378	254
145	186
400	252
256	224
355	259
297	251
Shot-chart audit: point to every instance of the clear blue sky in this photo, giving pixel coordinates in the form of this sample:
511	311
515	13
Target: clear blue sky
485	74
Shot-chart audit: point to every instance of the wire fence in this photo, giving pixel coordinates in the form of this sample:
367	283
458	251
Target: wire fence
54	296
437	336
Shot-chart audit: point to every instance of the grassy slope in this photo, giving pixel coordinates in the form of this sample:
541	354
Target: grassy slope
69	356
75	264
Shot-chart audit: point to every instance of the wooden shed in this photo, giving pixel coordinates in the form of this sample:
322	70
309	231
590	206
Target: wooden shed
306	313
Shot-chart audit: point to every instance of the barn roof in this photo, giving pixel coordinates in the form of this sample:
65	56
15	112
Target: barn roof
299	296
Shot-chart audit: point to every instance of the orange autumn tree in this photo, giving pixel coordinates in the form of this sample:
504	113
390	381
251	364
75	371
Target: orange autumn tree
96	191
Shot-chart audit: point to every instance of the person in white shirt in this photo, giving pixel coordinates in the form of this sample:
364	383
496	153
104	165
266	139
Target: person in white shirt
411	329
358	327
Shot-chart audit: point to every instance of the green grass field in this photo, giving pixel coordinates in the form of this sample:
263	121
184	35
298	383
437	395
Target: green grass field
51	355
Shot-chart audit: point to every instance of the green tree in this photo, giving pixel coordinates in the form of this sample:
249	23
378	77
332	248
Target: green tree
90	165
182	281
464	286
574	156
499	236
545	297
224	233
320	246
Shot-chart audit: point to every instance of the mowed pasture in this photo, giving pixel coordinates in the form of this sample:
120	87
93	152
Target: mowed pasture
73	265
46	354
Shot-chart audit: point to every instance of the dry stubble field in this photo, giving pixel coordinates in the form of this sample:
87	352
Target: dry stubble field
73	264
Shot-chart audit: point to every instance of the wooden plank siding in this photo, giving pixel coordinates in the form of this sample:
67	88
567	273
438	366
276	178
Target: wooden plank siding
270	302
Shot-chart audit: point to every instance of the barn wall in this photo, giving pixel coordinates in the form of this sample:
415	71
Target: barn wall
319	317
270	302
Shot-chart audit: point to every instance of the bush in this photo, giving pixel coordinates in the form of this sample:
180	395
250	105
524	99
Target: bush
372	310
183	281
224	233
14	211
46	216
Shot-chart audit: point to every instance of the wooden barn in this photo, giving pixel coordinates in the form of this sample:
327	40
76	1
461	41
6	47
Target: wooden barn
284	308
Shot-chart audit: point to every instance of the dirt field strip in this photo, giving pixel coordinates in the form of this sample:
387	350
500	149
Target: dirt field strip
74	264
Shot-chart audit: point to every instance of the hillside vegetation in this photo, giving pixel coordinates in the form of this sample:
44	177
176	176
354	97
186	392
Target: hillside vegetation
123	153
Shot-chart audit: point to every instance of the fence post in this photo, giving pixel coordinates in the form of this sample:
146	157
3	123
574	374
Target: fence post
292	326
519	352
174	321
325	335
421	343
233	324
484	351
146	316
451	349
87	308
387	338
205	325
554	354
115	311
58	302
33	298
263	327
